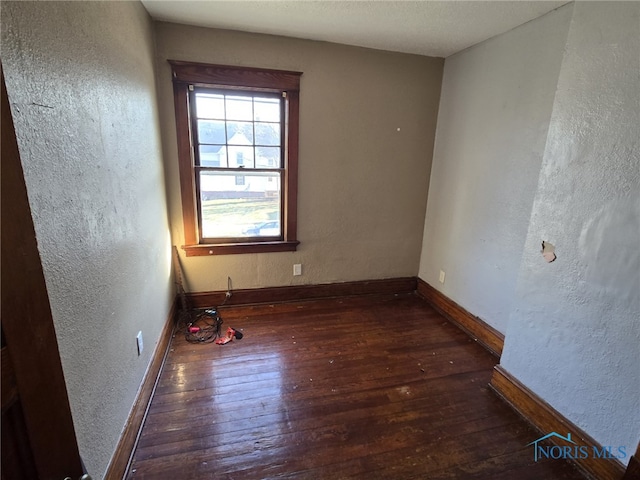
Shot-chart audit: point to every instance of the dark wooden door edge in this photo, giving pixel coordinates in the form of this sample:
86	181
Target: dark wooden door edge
303	292
479	330
27	326
544	418
121	460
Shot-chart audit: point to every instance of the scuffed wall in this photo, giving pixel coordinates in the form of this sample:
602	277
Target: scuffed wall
574	330
367	121
538	141
81	82
492	125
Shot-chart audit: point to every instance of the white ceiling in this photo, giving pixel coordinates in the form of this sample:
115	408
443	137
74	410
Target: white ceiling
434	28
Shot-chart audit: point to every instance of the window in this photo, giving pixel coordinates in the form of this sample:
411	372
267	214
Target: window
237	134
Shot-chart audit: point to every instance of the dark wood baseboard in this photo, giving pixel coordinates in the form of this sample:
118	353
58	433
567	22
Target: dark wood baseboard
633	469
119	465
546	419
485	334
303	292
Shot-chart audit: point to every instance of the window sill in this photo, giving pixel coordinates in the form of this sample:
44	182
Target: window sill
239	248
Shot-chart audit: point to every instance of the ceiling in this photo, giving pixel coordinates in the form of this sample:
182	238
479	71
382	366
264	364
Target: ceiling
433	28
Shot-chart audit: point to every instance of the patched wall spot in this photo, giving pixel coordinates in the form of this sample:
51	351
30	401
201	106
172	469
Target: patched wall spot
548	251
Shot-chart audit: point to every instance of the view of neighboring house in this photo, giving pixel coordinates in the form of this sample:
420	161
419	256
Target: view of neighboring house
239	154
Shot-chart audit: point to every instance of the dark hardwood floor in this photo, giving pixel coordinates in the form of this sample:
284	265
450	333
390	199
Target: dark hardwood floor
370	387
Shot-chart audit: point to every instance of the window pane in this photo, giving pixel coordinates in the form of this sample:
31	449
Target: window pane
267	133
239	108
210	131
267	109
240	157
240	133
213	155
231	209
267	157
209	106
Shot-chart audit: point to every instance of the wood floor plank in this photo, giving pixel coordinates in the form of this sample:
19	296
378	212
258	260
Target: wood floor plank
439	415
463	383
359	387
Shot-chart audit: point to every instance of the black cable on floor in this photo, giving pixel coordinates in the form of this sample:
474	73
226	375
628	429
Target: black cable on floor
204	327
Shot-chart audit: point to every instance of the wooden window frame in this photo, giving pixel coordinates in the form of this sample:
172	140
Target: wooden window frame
229	77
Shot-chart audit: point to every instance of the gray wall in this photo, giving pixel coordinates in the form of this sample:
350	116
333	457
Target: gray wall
492	126
574	330
81	83
552	154
362	183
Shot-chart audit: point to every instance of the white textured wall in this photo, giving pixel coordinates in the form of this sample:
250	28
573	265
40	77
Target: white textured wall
538	140
362	183
492	125
81	83
574	330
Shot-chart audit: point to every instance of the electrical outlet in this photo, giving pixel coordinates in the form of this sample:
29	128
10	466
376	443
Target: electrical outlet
139	342
442	275
297	269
